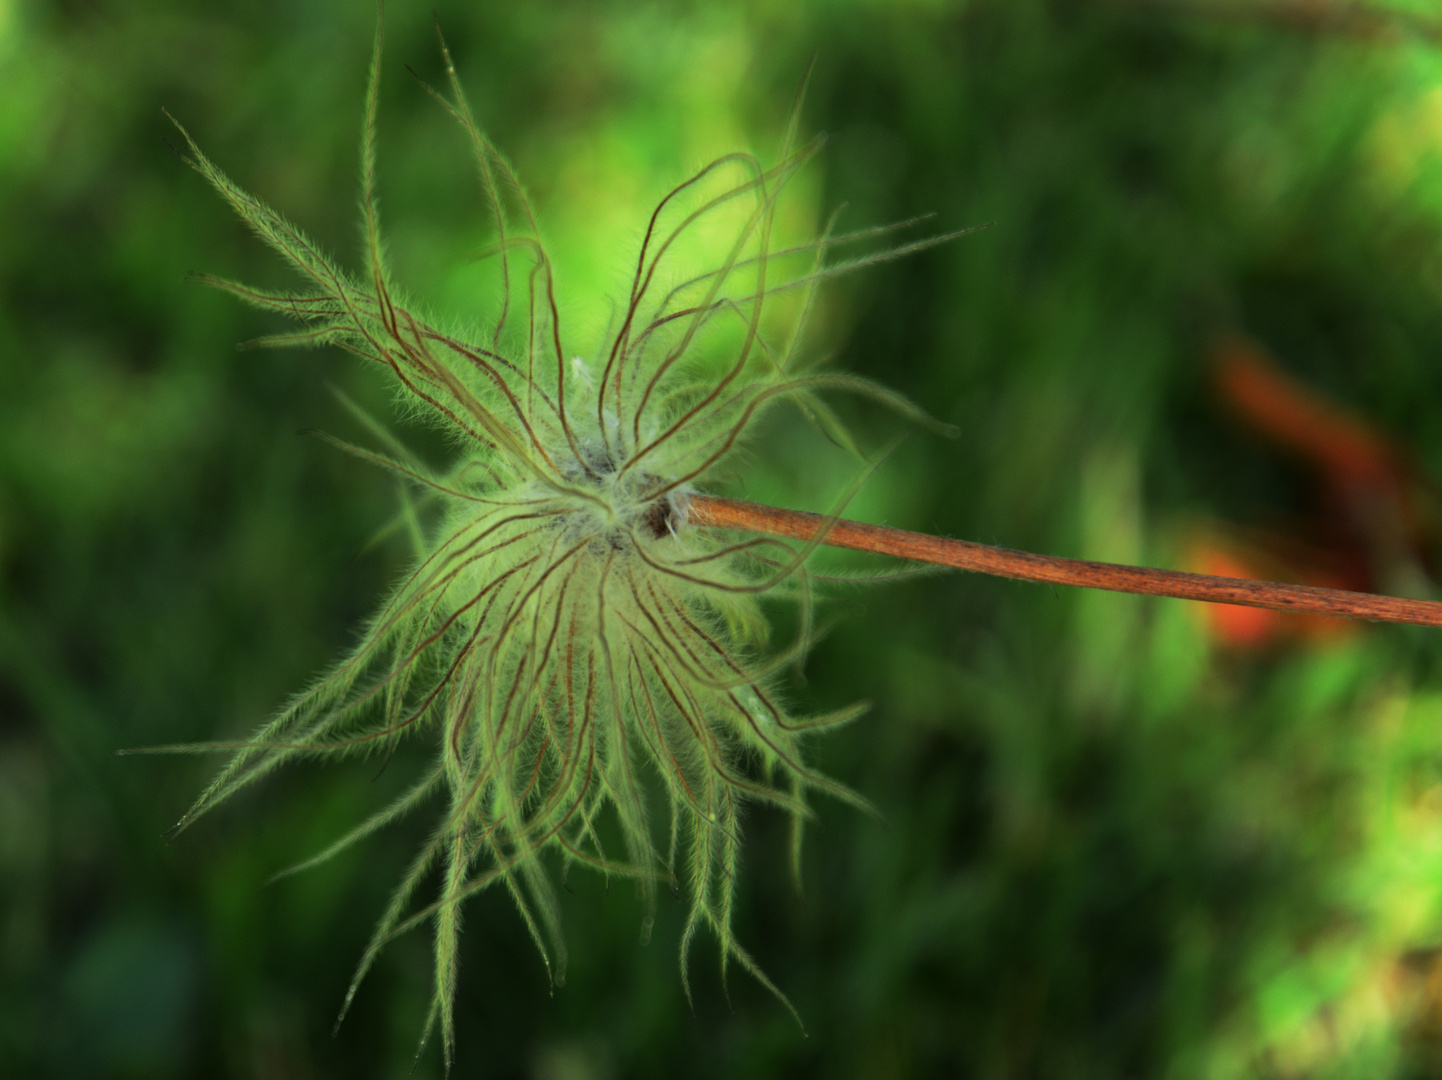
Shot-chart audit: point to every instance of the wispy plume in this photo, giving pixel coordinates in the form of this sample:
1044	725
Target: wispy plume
572	646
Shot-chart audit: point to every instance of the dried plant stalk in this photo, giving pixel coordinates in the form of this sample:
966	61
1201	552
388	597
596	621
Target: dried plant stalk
712	511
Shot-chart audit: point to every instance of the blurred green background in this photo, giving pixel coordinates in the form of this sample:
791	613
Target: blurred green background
1116	841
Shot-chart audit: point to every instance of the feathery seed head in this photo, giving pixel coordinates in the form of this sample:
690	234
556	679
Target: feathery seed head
575	650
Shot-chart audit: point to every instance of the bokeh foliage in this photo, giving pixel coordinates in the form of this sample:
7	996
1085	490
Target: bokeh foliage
1110	847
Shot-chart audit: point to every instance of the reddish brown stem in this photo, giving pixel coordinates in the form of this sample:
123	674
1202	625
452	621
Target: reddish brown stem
709	510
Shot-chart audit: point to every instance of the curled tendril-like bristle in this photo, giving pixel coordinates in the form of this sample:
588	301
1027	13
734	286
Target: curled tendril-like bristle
574	648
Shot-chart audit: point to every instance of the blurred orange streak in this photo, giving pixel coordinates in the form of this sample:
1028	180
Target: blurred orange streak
1367	529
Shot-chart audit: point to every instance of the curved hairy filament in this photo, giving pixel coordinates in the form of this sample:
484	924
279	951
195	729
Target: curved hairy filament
583	661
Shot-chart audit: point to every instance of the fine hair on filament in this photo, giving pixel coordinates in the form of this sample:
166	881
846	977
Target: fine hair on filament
583	661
